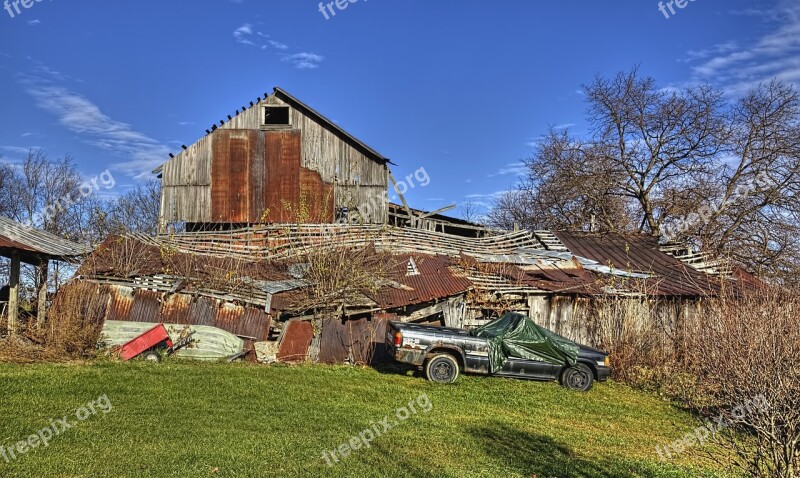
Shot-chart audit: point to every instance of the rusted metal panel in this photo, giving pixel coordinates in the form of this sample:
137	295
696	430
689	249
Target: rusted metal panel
175	309
254	323
220	176
146	306
247	323
282	160
296	339
203	311
434	281
359	341
121	303
230	185
258	177
317	198
641	254
334	340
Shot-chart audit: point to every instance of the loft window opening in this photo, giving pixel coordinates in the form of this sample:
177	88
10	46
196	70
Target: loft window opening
276	116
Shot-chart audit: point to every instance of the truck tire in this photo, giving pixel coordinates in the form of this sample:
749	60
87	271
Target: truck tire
441	368
578	378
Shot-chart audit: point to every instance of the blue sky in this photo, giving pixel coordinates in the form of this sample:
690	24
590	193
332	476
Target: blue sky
462	88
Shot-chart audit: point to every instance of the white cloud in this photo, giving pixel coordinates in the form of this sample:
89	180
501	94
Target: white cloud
35	22
247	35
304	61
140	153
486	200
740	67
516	168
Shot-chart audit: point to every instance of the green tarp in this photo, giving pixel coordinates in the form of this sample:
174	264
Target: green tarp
515	335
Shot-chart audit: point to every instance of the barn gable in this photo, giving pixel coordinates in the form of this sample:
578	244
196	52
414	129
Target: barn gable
277	161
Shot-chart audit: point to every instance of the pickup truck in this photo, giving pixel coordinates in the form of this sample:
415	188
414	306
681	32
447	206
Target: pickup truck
442	353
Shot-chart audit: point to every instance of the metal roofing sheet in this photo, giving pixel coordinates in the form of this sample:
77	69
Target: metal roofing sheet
14	235
295	341
641	255
434	281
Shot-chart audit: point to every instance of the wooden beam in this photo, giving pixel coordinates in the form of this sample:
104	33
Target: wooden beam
438	211
42	302
403	200
13	297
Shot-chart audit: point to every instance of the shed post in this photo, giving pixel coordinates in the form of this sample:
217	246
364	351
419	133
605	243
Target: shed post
13	297
42	302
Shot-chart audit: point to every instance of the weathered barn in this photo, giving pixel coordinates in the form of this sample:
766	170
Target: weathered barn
245	281
276	161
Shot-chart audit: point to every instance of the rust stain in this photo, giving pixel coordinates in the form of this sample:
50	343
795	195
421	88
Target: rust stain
146	306
296	339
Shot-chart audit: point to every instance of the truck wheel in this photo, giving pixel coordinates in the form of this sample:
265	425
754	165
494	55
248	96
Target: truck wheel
441	368
578	378
151	356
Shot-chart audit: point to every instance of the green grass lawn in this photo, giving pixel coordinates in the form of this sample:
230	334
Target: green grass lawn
193	420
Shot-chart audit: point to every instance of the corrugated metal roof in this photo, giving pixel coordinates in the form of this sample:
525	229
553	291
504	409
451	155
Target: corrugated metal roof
434	281
32	242
641	255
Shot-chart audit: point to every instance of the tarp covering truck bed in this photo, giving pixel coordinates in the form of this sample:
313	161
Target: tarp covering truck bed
515	335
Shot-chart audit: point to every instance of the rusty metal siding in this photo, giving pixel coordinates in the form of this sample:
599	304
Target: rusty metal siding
247	323
230	176
641	254
295	342
175	309
282	158
203	311
121	303
435	281
358	340
317	198
146	306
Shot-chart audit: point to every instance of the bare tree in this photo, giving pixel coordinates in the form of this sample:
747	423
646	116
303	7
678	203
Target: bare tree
137	210
470	212
680	165
568	185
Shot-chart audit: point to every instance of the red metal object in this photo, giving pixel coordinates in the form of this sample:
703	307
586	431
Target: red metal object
145	342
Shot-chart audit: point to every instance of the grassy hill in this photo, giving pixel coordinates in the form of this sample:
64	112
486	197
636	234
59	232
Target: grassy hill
179	419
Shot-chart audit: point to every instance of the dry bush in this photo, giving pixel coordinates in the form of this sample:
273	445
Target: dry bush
342	276
643	334
71	332
75	321
339	277
747	348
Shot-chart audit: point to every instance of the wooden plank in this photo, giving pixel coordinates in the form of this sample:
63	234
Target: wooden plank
220	177
13	298
42	302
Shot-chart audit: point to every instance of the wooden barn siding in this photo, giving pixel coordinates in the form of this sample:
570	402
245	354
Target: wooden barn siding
186	184
359	182
574	317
